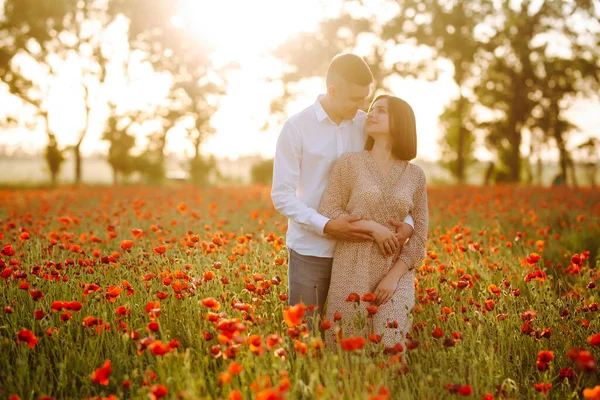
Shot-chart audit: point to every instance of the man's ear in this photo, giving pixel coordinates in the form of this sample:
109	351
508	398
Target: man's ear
331	90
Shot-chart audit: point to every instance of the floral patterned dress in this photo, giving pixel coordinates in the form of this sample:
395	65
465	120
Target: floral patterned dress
358	187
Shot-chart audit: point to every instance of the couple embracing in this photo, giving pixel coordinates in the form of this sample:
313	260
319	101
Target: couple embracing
357	207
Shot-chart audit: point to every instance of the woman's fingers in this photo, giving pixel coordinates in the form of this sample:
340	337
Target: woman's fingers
383	299
386	298
396	241
387	247
377	295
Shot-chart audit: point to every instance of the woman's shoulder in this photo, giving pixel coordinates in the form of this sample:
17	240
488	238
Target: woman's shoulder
417	171
350	157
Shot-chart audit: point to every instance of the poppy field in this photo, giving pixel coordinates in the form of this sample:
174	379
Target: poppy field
180	292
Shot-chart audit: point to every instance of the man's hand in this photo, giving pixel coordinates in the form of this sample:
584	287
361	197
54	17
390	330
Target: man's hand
403	230
342	229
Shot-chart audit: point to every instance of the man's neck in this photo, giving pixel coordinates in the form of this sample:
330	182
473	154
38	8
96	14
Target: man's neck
326	104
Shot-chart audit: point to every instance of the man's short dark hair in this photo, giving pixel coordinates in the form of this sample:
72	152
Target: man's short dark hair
349	67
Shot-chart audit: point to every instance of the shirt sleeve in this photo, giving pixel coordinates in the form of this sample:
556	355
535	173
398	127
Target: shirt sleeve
409	220
286	175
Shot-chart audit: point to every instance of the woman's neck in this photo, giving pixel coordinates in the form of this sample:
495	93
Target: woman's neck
380	150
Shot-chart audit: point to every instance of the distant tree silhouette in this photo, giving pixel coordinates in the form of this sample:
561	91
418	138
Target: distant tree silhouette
262	172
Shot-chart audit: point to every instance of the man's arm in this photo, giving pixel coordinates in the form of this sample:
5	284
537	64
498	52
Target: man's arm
286	175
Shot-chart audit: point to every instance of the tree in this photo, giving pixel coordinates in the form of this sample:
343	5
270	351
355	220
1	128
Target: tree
262	172
25	32
121	143
449	30
196	83
494	48
515	71
457	143
54	158
54	34
591	157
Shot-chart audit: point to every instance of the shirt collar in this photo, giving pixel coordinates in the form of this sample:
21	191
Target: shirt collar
320	111
322	115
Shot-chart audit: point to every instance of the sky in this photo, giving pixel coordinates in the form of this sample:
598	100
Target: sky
245	36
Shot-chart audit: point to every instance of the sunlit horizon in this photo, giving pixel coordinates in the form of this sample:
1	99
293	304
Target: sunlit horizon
244	33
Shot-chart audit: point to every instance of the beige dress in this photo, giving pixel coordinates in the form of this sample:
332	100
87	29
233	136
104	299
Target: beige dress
358	187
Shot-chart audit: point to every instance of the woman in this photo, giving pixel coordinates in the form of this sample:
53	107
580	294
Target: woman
378	184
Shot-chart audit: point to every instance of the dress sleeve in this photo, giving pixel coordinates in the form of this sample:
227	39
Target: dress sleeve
336	195
414	252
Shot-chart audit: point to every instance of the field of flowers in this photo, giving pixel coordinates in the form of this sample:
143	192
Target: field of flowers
179	292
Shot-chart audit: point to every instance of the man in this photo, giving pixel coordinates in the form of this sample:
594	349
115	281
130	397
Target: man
309	144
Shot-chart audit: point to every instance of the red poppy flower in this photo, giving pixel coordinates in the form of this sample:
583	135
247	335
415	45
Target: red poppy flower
153	326
352	343
36	294
137	233
211	303
101	375
368	297
353	297
545	356
6	273
159	348
159	250
594	340
57	306
293	315
372	310
28	337
235	368
158	391
543	387
72	305
373	338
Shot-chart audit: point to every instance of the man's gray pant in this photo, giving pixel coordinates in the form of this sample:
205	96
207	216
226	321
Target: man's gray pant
308	281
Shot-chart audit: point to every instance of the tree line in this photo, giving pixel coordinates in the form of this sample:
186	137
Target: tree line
524	63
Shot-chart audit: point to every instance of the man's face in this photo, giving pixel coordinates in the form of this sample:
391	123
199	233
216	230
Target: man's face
348	98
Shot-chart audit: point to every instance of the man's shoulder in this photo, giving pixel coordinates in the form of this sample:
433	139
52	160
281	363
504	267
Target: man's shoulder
361	116
303	116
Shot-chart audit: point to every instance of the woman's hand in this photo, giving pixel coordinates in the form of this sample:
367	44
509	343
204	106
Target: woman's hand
387	286
385	289
386	240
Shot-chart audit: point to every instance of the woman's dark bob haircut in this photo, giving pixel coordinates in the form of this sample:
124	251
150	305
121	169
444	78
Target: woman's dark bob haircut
403	128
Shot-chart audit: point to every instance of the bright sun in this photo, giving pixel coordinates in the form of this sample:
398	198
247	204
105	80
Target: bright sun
242	29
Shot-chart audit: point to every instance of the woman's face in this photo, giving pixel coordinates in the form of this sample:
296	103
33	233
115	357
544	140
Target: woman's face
378	121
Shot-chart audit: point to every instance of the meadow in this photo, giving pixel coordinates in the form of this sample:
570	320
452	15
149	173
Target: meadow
178	292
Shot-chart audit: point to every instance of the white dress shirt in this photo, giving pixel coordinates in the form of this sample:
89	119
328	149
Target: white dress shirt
308	146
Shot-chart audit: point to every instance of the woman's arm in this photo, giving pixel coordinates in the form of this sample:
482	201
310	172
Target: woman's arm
414	252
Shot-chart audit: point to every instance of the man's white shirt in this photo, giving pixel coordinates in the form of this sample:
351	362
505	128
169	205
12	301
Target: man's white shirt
308	146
